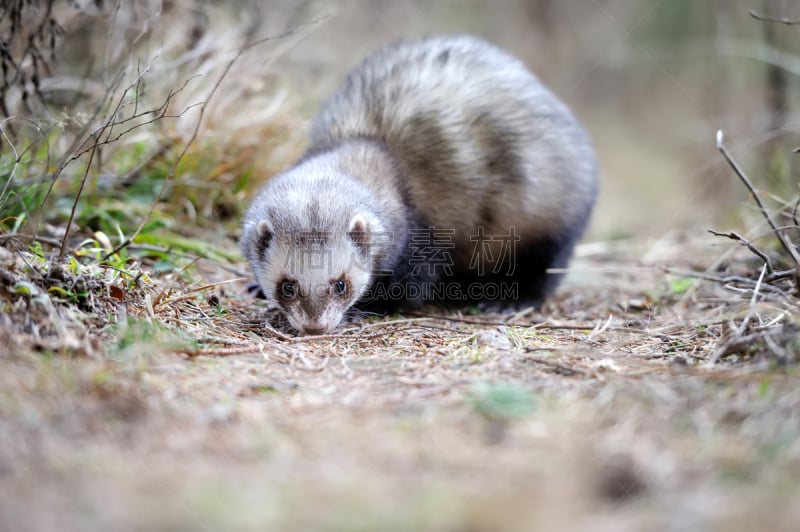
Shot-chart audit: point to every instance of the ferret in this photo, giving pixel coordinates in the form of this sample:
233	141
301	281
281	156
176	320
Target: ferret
441	171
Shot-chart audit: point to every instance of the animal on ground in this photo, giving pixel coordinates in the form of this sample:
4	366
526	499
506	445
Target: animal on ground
442	171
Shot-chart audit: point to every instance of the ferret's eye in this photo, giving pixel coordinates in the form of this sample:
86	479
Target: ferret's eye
287	290
340	287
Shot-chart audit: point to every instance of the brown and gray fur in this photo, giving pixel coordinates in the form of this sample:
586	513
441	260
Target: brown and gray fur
448	133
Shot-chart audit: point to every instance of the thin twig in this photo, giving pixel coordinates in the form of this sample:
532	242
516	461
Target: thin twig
78	194
214	285
735	236
132	175
780	20
160	113
758	286
457	319
752	310
224	351
11	180
739	172
30	238
307	365
560	368
389	323
277	334
79	139
745	344
601	328
203	107
778	276
730	279
542	325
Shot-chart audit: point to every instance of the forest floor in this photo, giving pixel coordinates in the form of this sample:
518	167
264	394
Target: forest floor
637	399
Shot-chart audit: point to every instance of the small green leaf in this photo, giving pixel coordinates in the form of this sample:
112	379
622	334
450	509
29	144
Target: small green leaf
680	285
503	401
35	247
73	266
27	289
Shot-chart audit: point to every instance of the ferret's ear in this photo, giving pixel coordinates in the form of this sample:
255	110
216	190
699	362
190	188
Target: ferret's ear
263	236
359	233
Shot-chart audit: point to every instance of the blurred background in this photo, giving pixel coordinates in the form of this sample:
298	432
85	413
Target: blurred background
653	80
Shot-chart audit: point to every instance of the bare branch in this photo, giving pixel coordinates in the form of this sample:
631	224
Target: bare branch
199	122
735	236
75	203
767	340
79	139
24	42
779	276
779	20
18	155
731	280
788	246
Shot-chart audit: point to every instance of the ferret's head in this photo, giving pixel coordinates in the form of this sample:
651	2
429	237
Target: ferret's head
312	252
315	276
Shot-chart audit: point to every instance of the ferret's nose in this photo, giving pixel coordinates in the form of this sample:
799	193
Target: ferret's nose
313	330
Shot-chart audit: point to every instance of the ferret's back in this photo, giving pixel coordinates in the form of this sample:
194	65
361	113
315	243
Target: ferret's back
472	127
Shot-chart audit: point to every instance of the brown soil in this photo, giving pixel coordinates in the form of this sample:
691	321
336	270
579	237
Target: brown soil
605	410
